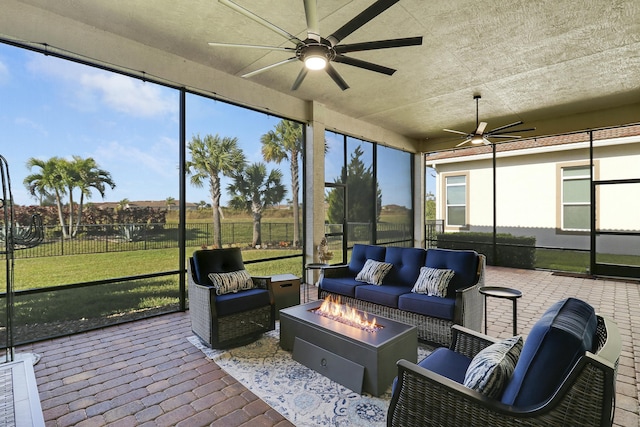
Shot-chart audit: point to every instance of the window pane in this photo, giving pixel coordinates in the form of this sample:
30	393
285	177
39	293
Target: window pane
577	217
394	178
455	195
456	215
575	171
576	191
456	179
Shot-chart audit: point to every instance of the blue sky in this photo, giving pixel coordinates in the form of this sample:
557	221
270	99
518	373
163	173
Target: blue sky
53	107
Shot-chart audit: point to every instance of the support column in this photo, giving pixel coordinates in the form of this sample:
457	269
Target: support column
314	181
419	192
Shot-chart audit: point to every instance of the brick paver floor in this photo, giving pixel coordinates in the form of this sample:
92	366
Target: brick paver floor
146	373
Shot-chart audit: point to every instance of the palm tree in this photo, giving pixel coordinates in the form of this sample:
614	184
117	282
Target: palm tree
254	190
49	180
286	143
89	176
170	202
211	157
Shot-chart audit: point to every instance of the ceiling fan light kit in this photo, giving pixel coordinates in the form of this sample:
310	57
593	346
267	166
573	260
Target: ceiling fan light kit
317	53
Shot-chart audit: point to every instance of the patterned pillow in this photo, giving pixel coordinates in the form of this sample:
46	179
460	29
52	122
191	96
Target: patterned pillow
231	282
433	281
490	370
373	272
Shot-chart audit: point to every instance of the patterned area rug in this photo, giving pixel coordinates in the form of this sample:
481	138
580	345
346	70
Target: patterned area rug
300	394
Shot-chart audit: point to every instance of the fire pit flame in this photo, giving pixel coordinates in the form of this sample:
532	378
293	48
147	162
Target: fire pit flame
343	313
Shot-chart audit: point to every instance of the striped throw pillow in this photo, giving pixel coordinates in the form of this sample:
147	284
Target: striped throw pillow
490	370
231	282
373	272
433	281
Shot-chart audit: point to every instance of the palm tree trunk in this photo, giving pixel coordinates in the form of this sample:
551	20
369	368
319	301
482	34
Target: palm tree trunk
257	230
294	199
70	211
77	227
214	184
60	215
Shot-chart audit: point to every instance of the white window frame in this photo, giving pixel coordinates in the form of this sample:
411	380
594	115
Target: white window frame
446	204
586	176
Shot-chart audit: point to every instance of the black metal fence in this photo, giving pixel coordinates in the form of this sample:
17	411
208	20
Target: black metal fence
134	237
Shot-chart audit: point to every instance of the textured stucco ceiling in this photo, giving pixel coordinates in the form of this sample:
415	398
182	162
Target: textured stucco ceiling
558	65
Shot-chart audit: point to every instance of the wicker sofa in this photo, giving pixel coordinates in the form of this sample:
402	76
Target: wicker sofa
432	315
555	381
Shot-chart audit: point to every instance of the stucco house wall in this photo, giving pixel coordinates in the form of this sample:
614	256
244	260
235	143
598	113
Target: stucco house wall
529	191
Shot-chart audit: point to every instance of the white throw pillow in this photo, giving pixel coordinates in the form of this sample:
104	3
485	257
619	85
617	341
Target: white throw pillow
433	281
373	272
490	370
231	282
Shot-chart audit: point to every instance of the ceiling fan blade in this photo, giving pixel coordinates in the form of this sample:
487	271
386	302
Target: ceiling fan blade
455	131
300	78
336	77
512	130
364	64
311	13
464	142
379	44
268	67
505	127
252	46
261	21
365	16
481	127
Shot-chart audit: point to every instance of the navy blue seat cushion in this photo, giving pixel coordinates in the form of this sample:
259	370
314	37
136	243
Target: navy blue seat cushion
241	301
406	265
553	346
215	261
361	253
383	295
464	263
445	362
442	308
340	285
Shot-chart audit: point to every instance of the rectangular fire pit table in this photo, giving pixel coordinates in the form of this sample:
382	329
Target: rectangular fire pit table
358	359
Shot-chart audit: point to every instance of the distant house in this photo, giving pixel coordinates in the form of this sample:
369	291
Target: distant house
543	189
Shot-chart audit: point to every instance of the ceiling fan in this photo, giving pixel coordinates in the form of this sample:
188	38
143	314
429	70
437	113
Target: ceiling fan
316	52
479	136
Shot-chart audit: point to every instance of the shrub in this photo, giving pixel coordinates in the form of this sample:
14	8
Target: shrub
511	251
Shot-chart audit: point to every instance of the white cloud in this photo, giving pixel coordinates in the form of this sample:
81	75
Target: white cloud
136	161
119	93
25	122
4	73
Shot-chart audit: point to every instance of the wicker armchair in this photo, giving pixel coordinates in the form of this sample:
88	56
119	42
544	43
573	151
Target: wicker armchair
586	397
232	319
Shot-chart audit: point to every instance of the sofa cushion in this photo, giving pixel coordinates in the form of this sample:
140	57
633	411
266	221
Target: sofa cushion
553	346
361	253
373	272
340	285
433	281
383	295
464	263
441	308
406	265
241	301
491	369
233	281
